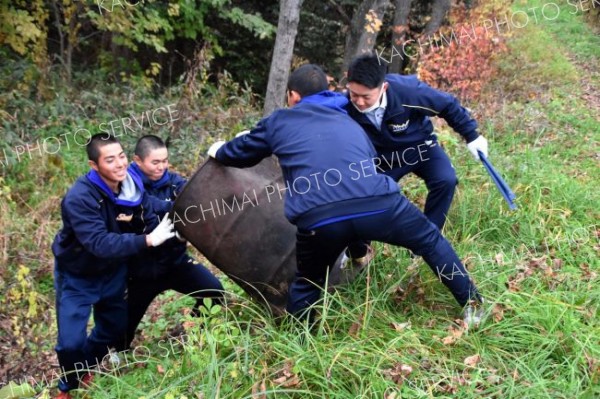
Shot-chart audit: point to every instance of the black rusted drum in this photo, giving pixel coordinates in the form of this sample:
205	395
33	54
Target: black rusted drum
235	218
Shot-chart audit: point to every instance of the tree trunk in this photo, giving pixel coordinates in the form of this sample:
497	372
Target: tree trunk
365	27
287	27
399	33
438	12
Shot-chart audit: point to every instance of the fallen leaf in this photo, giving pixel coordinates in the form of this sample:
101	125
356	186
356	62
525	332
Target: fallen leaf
497	312
494	379
587	273
471	361
499	258
400	326
405	369
455	334
354	328
515	375
259	390
399	372
538	263
188	324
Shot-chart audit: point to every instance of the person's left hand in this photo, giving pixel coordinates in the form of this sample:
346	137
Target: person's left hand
479	144
212	151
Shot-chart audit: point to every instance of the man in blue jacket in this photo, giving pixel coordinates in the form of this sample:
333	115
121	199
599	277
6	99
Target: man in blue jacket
107	219
169	266
334	194
394	111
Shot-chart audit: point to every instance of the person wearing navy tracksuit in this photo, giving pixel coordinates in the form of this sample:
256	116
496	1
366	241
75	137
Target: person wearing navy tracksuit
171	266
334	195
395	110
107	219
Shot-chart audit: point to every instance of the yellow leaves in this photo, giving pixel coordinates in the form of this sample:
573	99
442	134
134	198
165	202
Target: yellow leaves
20	30
173	10
154	69
373	23
24	290
32	300
22	273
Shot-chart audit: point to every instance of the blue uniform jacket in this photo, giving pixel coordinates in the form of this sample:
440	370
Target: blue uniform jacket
325	157
92	239
406	122
162	194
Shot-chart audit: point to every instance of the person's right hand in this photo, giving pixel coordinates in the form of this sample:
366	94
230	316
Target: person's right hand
161	233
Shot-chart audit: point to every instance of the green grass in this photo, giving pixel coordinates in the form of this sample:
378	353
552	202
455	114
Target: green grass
393	333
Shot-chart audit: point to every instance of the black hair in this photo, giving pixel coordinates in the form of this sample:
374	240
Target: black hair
307	80
96	142
367	70
146	144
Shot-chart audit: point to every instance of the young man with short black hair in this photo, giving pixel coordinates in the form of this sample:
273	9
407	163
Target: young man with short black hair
170	267
107	219
395	110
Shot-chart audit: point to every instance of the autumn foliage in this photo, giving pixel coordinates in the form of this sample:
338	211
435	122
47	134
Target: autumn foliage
460	57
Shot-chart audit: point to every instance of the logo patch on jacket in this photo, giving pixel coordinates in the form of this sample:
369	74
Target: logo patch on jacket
398	127
124	218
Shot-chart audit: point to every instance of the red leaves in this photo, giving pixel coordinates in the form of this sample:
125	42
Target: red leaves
459	58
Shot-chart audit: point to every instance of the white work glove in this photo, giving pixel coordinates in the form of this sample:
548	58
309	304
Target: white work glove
243	132
481	144
212	151
162	232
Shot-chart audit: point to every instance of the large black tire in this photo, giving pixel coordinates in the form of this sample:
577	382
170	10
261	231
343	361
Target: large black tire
235	218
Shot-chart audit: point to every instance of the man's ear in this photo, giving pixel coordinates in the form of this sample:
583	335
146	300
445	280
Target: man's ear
293	98
385	86
137	159
93	165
